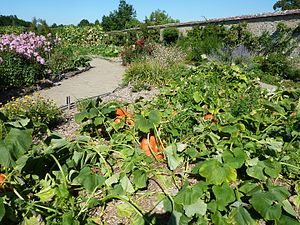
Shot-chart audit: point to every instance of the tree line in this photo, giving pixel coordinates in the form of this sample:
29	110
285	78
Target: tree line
125	17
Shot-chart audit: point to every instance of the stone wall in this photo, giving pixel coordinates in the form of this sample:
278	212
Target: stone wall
257	23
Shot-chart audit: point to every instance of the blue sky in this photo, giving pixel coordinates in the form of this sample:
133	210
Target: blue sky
72	11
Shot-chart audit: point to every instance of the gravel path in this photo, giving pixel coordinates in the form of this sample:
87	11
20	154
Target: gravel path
105	76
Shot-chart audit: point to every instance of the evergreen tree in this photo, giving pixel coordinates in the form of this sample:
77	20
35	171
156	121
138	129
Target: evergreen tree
287	5
118	19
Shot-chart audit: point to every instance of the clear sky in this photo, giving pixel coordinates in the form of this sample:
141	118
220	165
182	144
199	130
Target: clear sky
72	11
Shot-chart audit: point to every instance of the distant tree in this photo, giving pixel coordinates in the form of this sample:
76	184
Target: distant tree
133	23
13	21
39	26
97	22
54	25
287	5
84	23
118	19
159	17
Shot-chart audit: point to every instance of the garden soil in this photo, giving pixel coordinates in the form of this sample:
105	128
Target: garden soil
104	77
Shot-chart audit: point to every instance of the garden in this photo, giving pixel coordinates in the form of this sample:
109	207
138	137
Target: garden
212	147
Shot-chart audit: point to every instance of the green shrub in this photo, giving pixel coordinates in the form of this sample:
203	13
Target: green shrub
64	59
170	35
38	109
16	70
278	65
135	52
202	40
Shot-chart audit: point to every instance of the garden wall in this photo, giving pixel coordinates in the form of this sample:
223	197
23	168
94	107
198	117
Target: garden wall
256	23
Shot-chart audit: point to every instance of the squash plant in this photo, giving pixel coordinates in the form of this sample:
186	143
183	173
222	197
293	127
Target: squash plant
239	166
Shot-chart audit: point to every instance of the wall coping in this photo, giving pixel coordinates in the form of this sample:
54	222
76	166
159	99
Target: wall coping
241	18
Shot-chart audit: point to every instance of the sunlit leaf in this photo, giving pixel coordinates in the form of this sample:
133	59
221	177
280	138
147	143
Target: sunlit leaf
216	172
126	185
199	207
224	195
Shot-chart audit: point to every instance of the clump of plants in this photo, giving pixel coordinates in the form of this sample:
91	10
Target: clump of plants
23	58
41	111
135	52
66	58
157	69
170	35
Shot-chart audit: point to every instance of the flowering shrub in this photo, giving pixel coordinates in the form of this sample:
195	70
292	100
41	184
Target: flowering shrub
36	108
29	45
22	58
138	51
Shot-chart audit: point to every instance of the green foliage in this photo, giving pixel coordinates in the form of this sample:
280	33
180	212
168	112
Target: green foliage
230	155
278	65
12	30
16	70
118	19
282	41
101	50
287	5
170	35
64	59
13	21
139	51
83	23
144	73
39	110
80	36
203	40
39	26
159	17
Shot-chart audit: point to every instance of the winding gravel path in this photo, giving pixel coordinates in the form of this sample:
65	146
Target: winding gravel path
104	76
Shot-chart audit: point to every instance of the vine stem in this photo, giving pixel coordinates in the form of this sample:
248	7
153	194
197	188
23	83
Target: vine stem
61	170
105	162
165	192
87	202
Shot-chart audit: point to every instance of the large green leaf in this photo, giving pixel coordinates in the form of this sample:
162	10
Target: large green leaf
260	169
199	207
240	216
286	220
144	124
126	185
89	180
266	203
172	158
81	117
224	195
139	179
15	145
257	171
218	219
216	172
125	210
235	158
113	179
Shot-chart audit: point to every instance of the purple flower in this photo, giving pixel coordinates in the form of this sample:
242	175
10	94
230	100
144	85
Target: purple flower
29	45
